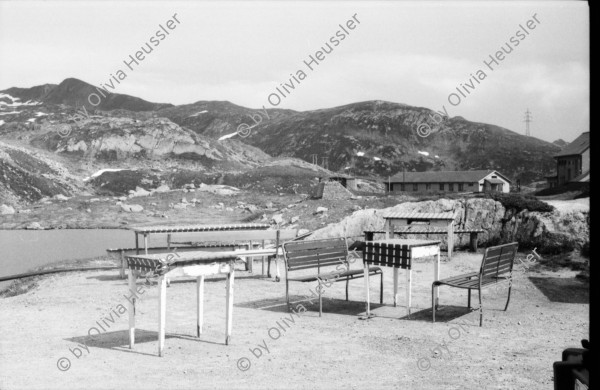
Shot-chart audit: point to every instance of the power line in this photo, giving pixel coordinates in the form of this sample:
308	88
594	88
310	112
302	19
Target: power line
527	120
315	159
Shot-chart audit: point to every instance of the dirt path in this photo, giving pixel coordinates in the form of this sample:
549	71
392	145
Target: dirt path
514	349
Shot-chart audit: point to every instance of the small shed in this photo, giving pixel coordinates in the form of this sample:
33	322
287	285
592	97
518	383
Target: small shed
347	181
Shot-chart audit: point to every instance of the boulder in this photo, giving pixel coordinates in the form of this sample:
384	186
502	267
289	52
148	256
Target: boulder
6	210
34	226
549	230
139	191
302	231
218	189
162	188
321	210
295	219
277	218
251	208
132	208
60	197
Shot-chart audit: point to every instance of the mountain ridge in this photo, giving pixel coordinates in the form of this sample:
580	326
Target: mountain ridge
373	137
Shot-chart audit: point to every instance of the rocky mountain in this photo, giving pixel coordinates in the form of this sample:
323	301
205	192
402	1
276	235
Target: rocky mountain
378	138
561	143
373	138
109	139
74	92
29	176
37	93
217	118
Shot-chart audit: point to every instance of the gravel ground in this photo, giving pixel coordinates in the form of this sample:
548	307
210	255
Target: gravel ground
515	349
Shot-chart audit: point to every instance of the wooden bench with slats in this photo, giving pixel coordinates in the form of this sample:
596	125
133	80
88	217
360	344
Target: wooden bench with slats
320	254
496	267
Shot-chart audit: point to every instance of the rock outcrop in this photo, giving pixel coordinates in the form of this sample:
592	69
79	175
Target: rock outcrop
498	223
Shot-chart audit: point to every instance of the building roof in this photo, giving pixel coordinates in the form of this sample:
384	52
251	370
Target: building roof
580	145
443	176
449	215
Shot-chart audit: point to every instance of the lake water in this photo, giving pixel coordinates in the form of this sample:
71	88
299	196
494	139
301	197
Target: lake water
23	250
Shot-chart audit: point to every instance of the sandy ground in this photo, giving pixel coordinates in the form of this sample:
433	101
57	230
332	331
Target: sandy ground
574	205
513	350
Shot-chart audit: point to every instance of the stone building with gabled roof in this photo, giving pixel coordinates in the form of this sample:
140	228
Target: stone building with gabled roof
449	181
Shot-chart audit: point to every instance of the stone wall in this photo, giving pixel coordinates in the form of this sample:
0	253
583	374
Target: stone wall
332	190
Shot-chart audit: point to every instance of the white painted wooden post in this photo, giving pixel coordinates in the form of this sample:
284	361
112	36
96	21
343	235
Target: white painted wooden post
123	265
408	287
162	311
367	297
436	276
131	304
229	303
200	304
388	225
146	243
249	263
450	239
395	286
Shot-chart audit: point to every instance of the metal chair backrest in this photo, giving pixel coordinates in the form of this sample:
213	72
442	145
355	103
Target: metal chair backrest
315	253
498	260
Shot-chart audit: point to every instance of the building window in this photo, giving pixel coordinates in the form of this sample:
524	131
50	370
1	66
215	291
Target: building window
461	187
471	184
451	187
441	186
402	187
427	186
494	177
415	187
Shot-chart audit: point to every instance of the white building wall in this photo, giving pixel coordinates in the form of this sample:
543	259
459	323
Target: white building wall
505	186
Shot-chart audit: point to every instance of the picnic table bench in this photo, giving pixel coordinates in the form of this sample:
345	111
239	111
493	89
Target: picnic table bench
198	264
205	237
318	254
427	223
398	254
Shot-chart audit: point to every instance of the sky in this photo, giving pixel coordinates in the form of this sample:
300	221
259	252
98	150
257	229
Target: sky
416	53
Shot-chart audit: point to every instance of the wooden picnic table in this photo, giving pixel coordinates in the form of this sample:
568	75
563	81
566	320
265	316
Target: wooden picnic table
145	231
420	223
399	253
197	264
